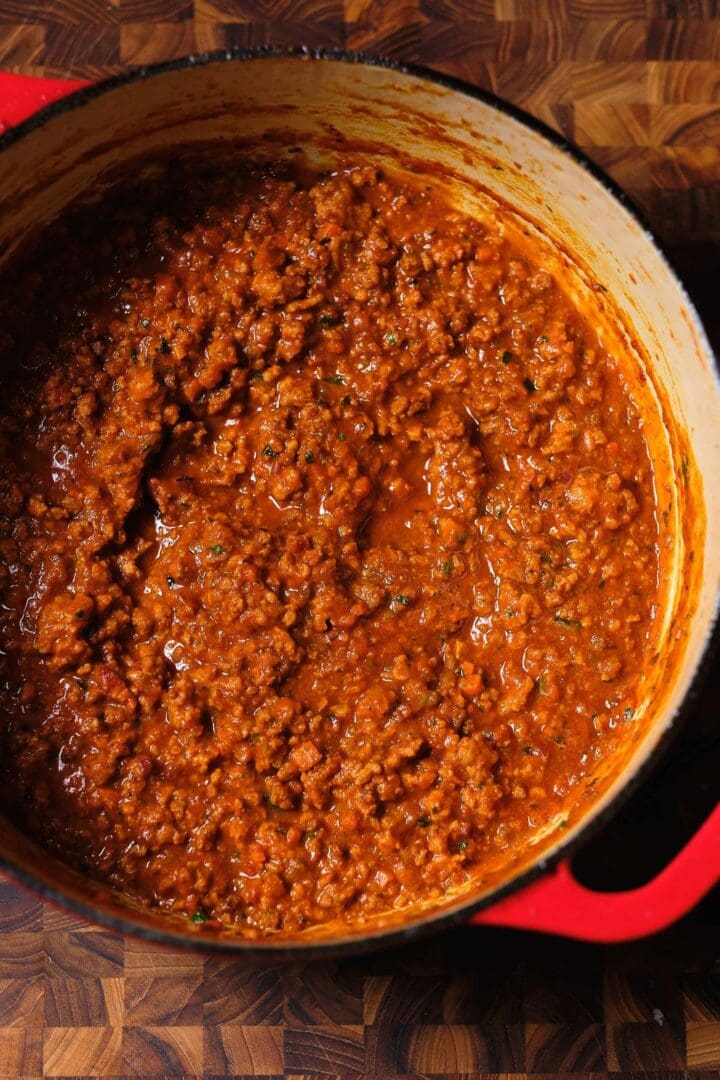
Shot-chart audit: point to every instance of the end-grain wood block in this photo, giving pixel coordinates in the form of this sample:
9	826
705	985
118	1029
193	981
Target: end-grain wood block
702	997
703	1045
21	45
404	999
142	42
235	1049
140	958
565	1048
82	1051
22	1002
444	1048
19	909
154	11
22	1053
643	998
163	1000
82	955
317	996
21	954
493	998
82	1003
235	994
162	1051
646	1047
336	1049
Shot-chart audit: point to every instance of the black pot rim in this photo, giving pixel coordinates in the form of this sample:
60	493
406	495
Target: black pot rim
280	950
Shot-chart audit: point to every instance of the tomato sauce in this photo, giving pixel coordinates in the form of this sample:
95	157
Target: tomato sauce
328	553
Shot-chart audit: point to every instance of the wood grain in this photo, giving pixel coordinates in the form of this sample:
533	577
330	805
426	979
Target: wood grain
613	75
637	84
472	1003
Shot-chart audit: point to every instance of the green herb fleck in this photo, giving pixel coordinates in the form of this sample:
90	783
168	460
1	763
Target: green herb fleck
328	320
391	339
341	436
144	323
269	452
541	685
529	386
462	845
684	468
336	380
256	374
628	713
448	568
506	357
402	599
564	621
217	549
199	917
423	822
544	338
309	457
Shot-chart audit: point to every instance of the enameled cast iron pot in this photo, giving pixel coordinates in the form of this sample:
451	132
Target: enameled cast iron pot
482	151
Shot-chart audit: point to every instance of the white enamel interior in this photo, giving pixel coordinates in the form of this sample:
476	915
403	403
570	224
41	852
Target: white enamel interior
329	107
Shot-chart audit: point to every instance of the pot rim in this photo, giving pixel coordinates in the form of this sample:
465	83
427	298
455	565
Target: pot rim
422	925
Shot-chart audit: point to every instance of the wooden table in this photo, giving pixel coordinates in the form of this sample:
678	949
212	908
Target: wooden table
637	83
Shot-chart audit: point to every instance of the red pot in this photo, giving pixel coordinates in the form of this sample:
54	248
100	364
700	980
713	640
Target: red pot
65	149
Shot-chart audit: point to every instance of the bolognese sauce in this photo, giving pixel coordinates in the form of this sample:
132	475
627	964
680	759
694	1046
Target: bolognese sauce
329	546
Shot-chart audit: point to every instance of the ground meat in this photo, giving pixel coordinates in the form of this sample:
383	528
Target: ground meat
328	546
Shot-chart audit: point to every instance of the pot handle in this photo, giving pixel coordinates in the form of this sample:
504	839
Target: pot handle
558	904
22	95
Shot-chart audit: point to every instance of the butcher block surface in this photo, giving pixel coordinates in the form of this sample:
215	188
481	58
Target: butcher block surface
636	83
